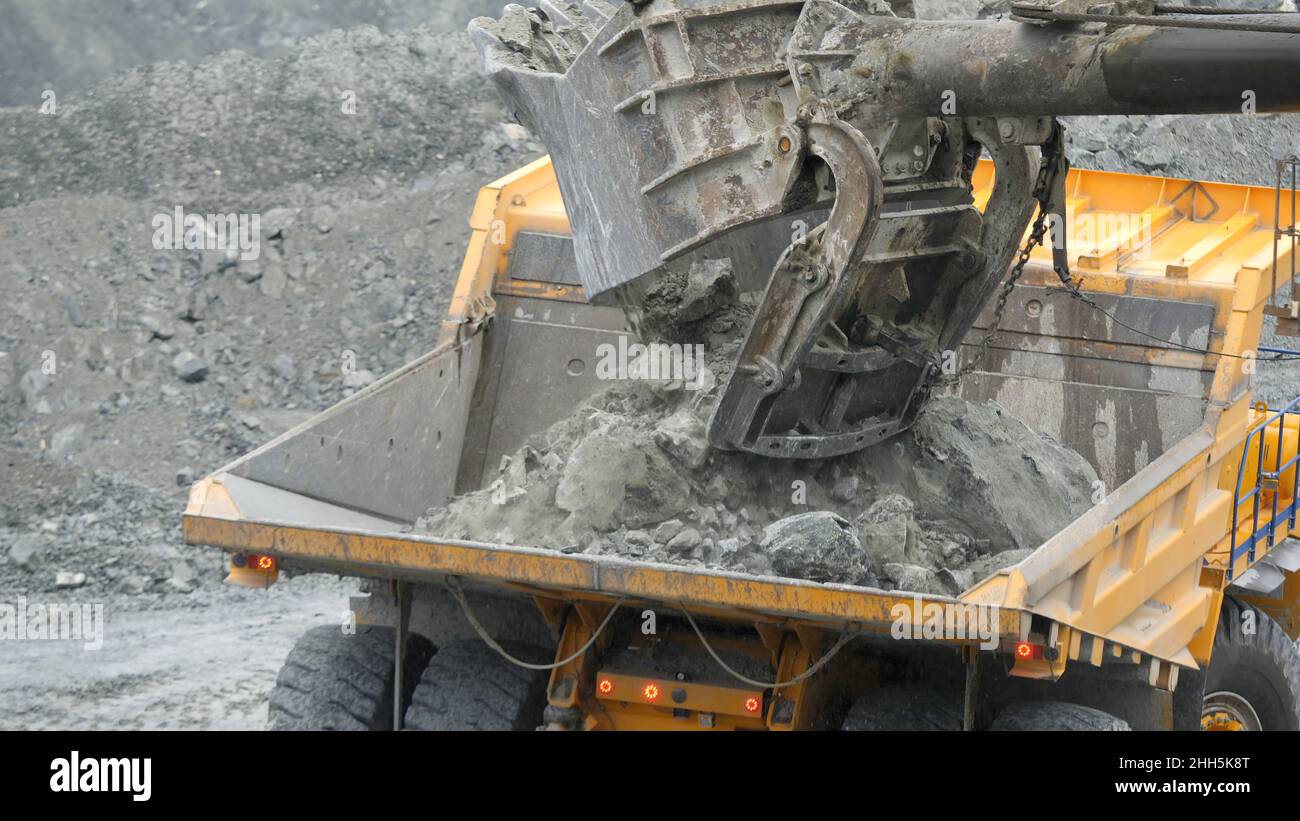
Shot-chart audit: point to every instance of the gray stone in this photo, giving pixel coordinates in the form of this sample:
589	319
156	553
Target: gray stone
181	585
611	479
709	286
32	384
1110	160
915	579
1091	142
182	570
516	30
27	552
284	367
818	546
887	529
276	221
273	281
846	488
66	439
132	585
250	271
323	217
684	542
158	328
1159	152
665	532
682	435
725	550
358	379
64	580
196	306
955	581
986	566
189	367
1017	487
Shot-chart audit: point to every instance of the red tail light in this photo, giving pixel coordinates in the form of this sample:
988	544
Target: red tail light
650	691
1025	650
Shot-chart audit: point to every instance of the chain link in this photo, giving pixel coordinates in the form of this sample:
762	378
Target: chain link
1036	235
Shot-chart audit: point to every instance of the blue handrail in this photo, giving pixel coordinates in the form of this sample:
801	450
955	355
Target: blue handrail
1247	545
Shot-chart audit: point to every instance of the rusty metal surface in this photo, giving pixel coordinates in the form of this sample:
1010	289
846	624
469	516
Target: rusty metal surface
808	286
666	130
678	122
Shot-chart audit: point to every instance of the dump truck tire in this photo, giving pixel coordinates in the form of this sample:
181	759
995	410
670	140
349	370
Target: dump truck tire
1055	715
1261	667
335	681
900	708
468	686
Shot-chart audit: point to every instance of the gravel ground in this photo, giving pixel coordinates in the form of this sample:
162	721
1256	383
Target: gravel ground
169	668
127	371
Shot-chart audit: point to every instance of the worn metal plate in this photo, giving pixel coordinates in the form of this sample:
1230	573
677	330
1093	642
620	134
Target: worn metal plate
543	258
391	449
540	365
670	128
1103	390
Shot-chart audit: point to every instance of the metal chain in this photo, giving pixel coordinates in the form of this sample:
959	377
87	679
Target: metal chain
1035	239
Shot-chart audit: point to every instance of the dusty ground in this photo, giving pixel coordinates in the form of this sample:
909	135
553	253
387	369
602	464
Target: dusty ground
100	432
170	668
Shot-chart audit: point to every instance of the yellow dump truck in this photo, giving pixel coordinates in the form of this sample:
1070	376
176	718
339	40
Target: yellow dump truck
1173	602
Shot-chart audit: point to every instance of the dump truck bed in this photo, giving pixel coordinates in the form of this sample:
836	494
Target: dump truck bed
1136	578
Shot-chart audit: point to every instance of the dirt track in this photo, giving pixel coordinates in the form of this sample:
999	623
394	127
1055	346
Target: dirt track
208	668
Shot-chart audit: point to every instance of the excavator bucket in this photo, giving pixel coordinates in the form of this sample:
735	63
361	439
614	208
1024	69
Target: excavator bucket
679	126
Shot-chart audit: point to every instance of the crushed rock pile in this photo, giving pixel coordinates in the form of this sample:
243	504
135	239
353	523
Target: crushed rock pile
128	365
968	490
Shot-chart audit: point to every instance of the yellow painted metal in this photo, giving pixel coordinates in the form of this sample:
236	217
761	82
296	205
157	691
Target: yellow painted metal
1125	581
1221	722
525	200
1129	572
732	707
1153	227
550	573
